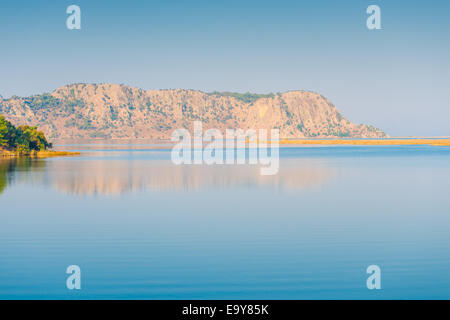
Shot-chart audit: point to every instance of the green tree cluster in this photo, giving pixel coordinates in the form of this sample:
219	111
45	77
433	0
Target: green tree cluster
22	139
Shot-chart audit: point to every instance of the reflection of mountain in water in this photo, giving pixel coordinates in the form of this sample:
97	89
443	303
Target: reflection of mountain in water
115	177
118	176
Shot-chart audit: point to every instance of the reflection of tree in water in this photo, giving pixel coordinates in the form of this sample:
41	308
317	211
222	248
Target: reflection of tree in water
9	168
3	177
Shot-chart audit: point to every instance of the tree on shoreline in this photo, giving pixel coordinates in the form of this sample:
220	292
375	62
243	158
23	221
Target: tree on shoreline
22	139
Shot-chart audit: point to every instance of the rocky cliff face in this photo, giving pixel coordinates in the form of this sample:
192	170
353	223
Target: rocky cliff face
118	111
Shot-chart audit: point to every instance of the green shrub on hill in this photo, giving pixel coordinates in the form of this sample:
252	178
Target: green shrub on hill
245	97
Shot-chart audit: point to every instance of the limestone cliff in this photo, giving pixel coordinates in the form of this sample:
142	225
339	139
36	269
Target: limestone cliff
119	111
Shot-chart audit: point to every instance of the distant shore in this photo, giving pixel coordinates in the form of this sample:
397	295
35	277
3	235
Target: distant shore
154	143
368	142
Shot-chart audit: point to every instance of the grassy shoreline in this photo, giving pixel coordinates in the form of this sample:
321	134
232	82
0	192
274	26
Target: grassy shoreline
36	154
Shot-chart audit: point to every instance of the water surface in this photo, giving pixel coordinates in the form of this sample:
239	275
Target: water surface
142	228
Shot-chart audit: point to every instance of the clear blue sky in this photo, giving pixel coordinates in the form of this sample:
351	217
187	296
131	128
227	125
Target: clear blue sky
397	78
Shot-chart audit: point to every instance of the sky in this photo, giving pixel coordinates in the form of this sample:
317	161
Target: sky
396	78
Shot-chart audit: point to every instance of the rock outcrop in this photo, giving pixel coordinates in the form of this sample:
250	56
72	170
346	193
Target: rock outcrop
119	111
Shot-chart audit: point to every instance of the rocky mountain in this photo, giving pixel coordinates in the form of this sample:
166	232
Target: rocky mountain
119	111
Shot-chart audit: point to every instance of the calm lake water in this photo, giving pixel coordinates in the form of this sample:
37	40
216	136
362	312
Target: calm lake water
140	227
